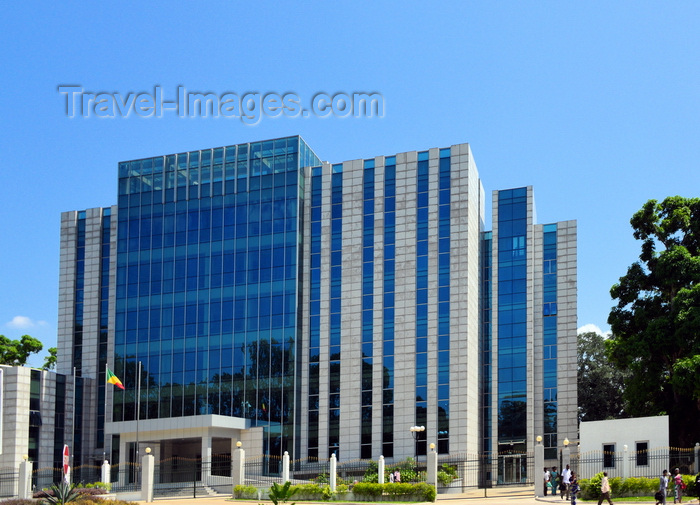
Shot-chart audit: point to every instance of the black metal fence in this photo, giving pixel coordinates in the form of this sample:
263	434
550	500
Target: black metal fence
263	471
43	478
456	473
9	482
649	463
126	477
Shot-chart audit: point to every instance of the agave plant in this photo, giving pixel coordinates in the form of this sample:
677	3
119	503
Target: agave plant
62	494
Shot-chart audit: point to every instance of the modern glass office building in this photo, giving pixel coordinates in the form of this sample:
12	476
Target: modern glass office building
254	293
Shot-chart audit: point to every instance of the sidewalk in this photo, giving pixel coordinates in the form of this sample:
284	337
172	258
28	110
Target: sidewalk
493	496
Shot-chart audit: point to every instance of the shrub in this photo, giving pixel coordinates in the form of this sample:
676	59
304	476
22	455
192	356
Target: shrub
250	492
368	489
100	485
309	491
102	501
322	478
372	473
427	491
617	485
18	501
420	490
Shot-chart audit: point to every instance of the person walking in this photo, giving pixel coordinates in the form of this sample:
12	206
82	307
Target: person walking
554	479
573	488
604	490
661	493
565	480
677	486
545	481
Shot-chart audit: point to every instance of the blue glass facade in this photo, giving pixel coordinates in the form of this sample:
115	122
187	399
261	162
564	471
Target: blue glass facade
249	277
389	307
486	346
367	382
444	280
315	311
336	284
207	293
512	318
549	358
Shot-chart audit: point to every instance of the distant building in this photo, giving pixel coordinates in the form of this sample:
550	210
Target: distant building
317	308
40	412
643	440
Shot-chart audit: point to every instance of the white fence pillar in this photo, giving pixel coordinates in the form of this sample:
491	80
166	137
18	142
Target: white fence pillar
380	470
538	478
106	475
285	467
432	466
334	470
565	456
147	474
625	462
238	466
25	480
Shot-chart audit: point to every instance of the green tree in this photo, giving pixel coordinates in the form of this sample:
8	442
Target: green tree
50	360
656	322
16	352
600	385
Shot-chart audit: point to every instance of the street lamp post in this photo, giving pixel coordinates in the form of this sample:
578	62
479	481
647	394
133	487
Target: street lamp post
415	430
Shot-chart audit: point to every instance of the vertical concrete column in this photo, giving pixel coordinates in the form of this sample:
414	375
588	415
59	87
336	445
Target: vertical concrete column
432	466
106	472
25	480
625	462
539	468
147	475
123	462
380	470
206	459
238	465
285	467
697	461
334	469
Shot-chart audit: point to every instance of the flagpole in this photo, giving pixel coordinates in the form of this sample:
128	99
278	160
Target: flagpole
104	422
72	436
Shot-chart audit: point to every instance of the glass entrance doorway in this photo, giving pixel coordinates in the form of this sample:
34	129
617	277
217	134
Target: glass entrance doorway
512	469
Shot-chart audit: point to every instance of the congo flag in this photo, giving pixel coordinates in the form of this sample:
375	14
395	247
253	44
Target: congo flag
113	379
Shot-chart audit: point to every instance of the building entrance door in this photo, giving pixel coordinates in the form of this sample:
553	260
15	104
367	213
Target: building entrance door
512	469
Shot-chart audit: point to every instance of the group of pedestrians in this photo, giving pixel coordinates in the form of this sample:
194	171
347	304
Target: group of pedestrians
565	482
678	487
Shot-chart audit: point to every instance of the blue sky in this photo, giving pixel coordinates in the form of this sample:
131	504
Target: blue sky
595	104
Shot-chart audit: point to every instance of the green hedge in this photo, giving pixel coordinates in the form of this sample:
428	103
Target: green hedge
633	486
365	491
406	491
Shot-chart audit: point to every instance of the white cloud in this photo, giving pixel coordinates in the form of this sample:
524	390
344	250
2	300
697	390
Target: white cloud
24	322
592	328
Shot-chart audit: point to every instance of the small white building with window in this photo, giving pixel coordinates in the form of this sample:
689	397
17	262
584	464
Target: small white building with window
635	447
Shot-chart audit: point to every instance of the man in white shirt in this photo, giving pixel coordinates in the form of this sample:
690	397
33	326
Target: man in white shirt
566	479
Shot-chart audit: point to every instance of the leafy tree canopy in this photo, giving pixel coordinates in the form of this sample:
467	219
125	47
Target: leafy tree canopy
16	352
656	322
50	360
600	385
